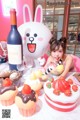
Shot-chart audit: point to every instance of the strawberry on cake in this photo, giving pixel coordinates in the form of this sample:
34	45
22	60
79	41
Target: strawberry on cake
61	94
34	82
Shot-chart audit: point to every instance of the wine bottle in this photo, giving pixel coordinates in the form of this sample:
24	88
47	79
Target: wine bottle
14	43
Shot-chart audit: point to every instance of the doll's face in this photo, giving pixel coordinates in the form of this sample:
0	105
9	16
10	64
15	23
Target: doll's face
37	36
57	54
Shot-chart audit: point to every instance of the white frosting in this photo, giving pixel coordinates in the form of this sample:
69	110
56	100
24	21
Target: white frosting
62	97
13	75
31	82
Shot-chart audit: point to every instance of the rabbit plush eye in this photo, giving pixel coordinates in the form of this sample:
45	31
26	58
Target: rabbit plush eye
35	35
27	34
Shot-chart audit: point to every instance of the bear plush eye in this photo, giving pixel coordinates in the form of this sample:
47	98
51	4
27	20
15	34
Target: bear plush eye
35	35
27	34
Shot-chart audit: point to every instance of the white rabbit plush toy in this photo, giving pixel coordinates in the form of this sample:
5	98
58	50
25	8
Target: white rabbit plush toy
35	35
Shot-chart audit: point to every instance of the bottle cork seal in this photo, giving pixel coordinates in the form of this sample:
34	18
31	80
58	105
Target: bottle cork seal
13	16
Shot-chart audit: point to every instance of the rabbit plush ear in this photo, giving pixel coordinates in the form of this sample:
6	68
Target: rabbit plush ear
26	14
38	14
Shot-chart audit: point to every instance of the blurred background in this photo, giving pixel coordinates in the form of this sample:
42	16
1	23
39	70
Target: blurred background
61	16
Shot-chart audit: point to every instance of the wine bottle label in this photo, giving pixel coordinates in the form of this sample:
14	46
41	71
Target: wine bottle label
14	54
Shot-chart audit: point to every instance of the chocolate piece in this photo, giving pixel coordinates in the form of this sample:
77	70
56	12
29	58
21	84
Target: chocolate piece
26	97
4	89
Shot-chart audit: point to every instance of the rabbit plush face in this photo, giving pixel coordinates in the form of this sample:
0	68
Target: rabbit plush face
35	34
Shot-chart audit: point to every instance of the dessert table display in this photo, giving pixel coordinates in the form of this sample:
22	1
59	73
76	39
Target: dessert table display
43	110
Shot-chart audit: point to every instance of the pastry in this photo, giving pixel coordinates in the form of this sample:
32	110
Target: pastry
8	92
26	101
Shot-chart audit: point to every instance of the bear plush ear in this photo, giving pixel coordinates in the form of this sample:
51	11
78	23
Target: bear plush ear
27	14
38	14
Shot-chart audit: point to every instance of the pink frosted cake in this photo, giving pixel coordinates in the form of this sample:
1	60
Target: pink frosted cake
61	94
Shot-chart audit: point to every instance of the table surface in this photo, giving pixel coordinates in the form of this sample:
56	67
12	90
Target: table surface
43	111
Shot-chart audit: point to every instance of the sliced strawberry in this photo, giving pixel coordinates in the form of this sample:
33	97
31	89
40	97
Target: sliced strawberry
61	78
26	89
54	83
68	93
56	92
7	82
70	81
52	79
75	88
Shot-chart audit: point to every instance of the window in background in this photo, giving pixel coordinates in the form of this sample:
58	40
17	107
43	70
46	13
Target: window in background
53	15
7	5
53	12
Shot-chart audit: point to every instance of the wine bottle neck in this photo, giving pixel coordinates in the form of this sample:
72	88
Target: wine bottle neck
13	26
13	18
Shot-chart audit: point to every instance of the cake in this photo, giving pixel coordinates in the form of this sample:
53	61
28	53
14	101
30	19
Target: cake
8	92
44	78
34	81
5	74
26	100
61	94
13	75
41	75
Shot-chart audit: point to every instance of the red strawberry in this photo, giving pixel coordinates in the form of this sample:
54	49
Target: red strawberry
75	88
26	89
70	81
68	93
54	83
56	92
7	82
52	80
61	78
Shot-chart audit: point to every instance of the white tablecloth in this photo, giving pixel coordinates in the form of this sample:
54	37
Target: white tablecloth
43	111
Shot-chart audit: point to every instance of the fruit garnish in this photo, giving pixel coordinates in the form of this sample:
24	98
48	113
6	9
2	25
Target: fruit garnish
75	88
61	78
68	93
56	92
53	84
70	81
48	85
61	84
7	82
26	89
